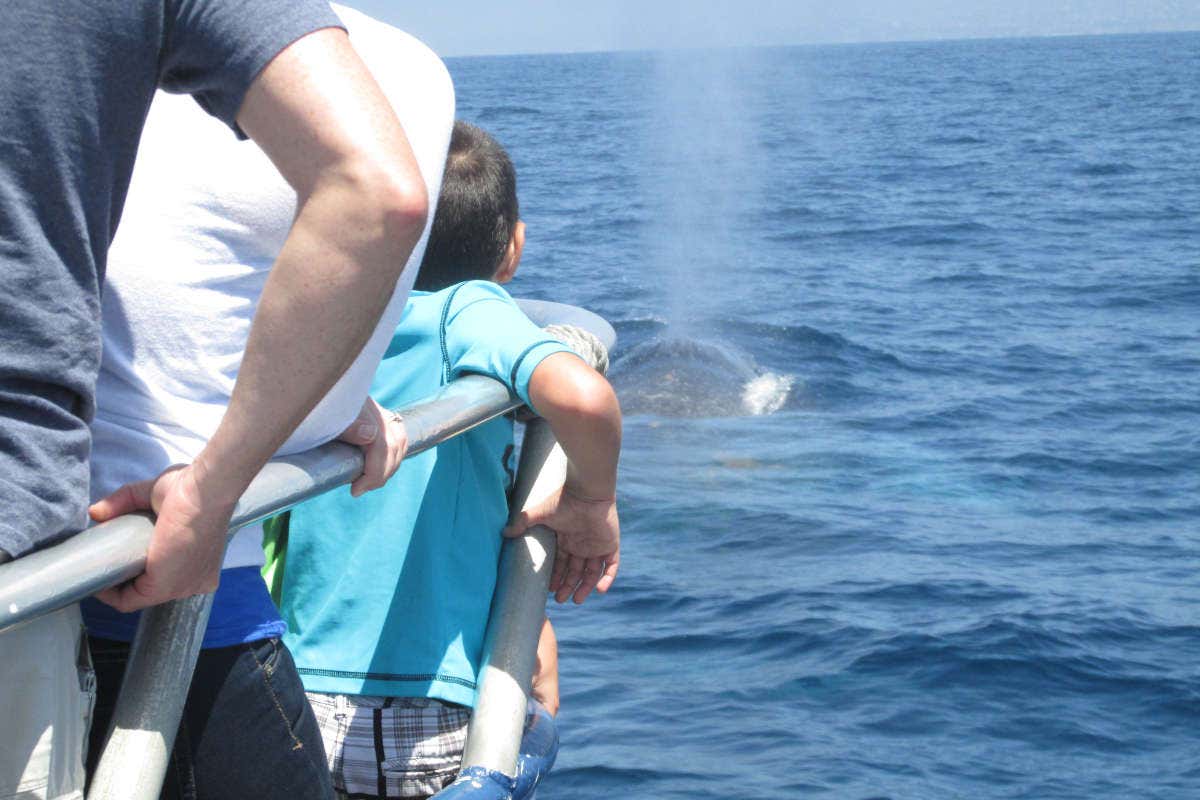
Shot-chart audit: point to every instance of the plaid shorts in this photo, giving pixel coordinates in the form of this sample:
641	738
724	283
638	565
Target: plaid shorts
390	747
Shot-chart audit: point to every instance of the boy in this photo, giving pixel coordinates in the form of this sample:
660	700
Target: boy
386	597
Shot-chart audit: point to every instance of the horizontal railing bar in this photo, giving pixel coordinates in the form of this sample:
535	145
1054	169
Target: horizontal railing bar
107	554
288	480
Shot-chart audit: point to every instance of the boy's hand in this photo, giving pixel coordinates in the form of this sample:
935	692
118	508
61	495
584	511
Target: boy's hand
589	542
384	441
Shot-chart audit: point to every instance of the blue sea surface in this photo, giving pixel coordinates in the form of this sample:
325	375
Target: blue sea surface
910	358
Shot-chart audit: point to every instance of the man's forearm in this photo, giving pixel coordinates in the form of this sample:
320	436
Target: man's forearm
324	123
325	294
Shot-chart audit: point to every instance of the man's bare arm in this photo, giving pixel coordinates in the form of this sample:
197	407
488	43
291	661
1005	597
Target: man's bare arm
320	117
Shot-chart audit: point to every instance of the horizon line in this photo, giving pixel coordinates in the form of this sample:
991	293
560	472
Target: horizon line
827	43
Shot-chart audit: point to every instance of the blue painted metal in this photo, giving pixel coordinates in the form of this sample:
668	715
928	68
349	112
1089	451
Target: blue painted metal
539	748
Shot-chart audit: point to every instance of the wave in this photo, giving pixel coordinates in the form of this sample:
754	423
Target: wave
970	279
783	214
955	140
792	347
1105	169
492	113
1028	654
1103	467
925	592
921	235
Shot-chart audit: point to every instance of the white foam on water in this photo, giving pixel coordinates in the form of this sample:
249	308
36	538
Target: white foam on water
767	393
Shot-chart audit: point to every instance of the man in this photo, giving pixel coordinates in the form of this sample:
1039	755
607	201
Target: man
78	79
173	338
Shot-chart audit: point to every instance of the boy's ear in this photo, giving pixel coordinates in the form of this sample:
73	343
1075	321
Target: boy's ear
512	256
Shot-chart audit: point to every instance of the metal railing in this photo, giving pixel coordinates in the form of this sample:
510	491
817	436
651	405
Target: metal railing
107	554
167	644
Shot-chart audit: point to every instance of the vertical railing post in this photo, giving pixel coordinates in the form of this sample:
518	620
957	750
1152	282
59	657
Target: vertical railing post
157	678
518	611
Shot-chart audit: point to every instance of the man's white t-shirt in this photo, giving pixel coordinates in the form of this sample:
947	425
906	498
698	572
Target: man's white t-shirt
205	218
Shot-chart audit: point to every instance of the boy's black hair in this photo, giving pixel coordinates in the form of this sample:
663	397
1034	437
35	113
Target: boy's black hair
476	212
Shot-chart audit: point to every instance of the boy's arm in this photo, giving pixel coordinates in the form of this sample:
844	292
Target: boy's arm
582	410
545	676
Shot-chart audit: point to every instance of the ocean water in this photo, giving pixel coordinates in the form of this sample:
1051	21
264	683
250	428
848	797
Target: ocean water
910	359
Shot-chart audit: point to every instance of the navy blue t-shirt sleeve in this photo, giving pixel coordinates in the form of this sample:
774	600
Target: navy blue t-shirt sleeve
214	49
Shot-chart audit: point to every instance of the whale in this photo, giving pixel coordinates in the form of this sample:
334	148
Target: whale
676	376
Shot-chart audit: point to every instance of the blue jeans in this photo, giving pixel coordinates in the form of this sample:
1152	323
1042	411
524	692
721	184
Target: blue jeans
247	729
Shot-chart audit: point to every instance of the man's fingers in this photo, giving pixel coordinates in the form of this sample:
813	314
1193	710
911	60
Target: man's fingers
142	592
130	600
129	498
126	597
365	427
110	596
382	454
397	446
375	458
359	433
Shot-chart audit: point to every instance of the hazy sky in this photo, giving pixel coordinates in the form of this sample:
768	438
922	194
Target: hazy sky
471	27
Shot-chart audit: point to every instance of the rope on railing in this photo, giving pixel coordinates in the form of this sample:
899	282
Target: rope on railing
585	343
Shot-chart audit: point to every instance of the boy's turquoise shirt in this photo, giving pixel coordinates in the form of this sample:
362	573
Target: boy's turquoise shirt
388	594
